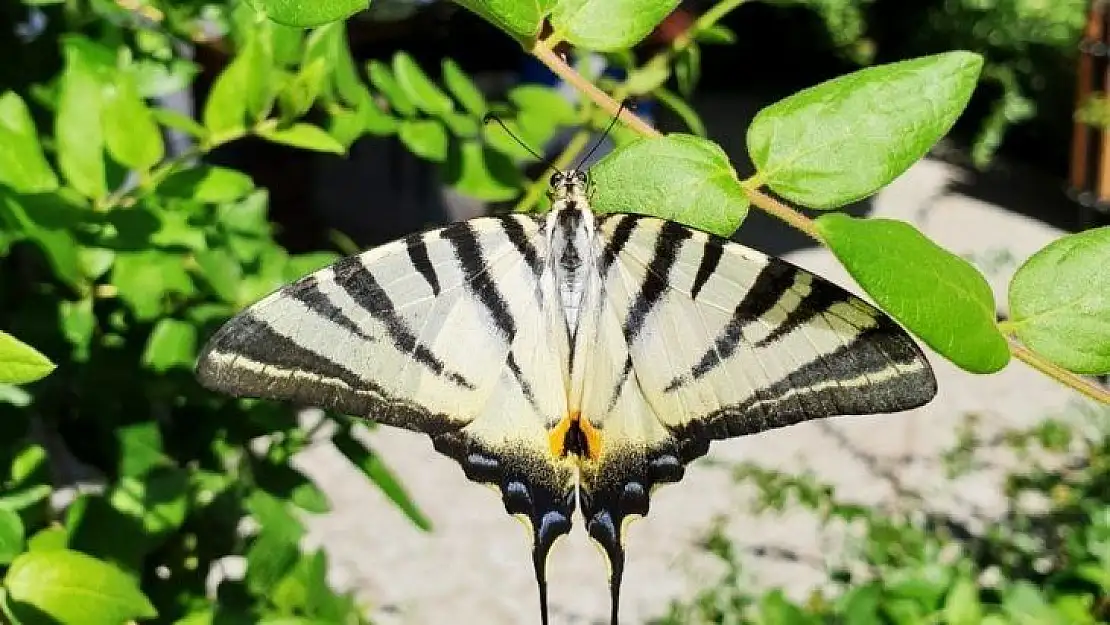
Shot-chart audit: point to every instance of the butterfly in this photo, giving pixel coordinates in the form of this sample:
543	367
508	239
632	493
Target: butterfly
572	360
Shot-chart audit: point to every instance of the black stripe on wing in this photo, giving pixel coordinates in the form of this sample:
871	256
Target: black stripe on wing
418	255
477	279
667	244
352	276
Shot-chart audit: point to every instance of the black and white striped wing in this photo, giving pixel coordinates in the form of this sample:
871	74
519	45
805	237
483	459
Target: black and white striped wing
712	340
442	332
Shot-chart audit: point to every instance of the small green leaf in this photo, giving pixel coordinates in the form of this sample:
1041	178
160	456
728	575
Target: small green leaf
1025	604
130	134
239	93
157	500
299	93
48	539
304	136
11	535
649	76
548	102
20	363
378	473
609	25
72	587
46	219
172	344
173	119
22	164
482	173
145	278
937	295
522	20
381	76
680	107
678	177
419	88
77	129
140	448
207	183
222	272
308	13
961	606
844	139
426	138
463	88
1060	302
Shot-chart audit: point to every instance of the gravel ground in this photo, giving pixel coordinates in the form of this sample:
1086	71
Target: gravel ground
474	567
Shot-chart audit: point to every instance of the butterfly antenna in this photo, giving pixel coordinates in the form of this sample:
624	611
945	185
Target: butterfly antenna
626	103
490	117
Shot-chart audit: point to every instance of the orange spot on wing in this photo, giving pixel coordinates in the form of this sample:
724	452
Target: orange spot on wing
557	436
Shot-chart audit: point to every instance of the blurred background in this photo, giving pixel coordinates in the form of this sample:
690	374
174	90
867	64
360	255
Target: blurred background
150	186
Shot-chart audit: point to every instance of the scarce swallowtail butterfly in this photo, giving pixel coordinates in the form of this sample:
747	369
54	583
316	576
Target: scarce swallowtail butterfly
574	361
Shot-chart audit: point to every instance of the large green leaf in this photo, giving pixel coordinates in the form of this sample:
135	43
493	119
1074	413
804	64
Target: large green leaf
608	25
937	295
520	19
420	89
72	587
678	177
77	130
844	139
1060	302
130	133
307	13
20	363
22	164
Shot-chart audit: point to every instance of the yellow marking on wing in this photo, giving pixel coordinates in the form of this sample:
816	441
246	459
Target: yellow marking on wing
557	437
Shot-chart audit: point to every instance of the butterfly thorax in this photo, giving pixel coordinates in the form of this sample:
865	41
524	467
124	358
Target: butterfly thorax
571	232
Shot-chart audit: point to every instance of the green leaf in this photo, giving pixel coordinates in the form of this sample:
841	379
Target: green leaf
240	94
177	121
72	587
842	140
130	133
384	81
77	129
329	42
1060	302
304	136
378	473
77	322
20	363
299	93
275	550
145	278
207	183
1025	605
483	173
22	164
308	13
937	295
961	606
46	219
172	345
11	535
679	177
48	539
222	272
418	87
608	25
303	264
684	111
157	500
426	138
140	448
463	88
545	101
522	20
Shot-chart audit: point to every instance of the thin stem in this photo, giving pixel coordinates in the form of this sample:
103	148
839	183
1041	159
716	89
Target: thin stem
537	189
715	13
556	64
1057	373
786	213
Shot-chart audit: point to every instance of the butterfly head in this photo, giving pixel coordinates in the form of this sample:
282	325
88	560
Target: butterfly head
569	185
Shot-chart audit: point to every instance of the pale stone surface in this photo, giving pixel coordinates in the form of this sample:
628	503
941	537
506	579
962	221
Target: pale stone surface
475	568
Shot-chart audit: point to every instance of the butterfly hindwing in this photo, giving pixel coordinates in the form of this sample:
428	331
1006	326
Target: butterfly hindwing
442	332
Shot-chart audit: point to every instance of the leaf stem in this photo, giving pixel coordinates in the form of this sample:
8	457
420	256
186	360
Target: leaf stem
785	213
1061	375
556	64
531	197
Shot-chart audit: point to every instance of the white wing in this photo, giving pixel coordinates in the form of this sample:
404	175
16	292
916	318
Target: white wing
443	332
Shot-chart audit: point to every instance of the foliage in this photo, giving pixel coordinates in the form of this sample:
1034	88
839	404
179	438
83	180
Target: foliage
124	255
1045	559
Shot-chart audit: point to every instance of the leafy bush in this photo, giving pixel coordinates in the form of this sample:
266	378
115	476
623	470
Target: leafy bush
121	256
1045	560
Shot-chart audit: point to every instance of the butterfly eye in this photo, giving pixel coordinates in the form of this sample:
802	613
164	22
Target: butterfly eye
580	177
556	179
